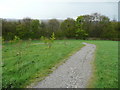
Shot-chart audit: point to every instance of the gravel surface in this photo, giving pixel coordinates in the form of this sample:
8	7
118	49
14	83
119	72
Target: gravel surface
74	73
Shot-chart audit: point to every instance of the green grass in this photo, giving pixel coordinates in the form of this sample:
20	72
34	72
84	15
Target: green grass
34	61
105	65
37	61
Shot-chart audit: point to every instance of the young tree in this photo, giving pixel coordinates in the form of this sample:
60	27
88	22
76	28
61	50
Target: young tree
48	41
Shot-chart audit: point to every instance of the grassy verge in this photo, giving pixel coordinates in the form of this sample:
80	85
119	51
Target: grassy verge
26	61
105	65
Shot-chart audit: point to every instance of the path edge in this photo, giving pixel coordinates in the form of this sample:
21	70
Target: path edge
90	83
35	82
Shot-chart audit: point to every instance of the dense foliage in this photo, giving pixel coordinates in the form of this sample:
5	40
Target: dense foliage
86	26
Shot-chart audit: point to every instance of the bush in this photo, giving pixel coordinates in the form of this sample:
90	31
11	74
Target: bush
16	39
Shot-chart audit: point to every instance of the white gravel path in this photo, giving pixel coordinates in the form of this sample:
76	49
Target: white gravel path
74	73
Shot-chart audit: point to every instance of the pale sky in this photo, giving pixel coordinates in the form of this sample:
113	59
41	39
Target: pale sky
44	9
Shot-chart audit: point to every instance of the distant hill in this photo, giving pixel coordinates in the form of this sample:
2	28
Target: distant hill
42	20
46	20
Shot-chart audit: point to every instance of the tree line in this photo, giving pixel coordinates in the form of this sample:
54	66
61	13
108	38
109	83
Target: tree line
84	27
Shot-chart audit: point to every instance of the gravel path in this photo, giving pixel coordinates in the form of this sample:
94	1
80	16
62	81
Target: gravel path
74	73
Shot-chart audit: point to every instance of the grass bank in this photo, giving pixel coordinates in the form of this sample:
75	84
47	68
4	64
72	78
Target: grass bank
28	60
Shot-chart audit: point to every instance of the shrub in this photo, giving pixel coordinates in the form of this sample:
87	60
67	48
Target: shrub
48	41
16	39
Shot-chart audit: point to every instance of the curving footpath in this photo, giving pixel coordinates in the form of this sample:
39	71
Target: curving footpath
74	73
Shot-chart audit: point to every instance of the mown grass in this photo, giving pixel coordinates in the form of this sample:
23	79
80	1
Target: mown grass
36	61
105	65
26	61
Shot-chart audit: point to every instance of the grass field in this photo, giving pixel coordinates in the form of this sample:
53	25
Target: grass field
25	61
36	60
105	65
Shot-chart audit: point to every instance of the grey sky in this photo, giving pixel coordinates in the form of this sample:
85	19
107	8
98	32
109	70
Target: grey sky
44	9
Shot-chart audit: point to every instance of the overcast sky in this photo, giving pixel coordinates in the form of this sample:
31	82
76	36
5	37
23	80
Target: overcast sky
44	9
